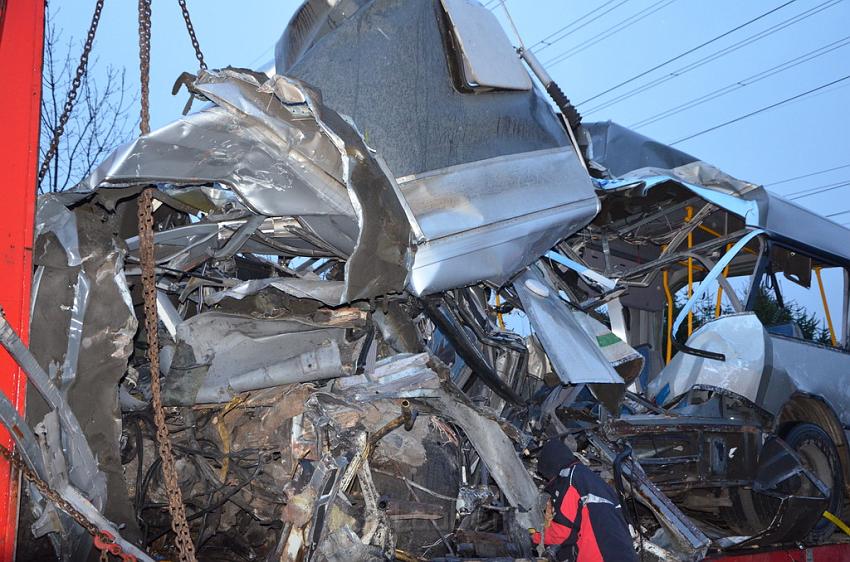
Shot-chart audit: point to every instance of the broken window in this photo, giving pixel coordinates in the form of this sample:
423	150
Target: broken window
792	296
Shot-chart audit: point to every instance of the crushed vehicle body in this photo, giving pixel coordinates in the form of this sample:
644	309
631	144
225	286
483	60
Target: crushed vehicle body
344	248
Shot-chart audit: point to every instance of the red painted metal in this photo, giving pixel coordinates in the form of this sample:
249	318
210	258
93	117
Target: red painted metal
825	553
21	44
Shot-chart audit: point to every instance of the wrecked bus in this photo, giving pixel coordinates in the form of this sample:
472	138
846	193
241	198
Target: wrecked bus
342	247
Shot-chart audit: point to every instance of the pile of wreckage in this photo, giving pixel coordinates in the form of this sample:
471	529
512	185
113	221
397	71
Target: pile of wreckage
343	246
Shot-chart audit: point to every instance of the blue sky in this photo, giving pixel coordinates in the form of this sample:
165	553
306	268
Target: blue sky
797	138
807	135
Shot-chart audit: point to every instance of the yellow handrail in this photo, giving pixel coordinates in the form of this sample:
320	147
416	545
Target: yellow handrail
826	308
720	287
689	215
499	317
666	278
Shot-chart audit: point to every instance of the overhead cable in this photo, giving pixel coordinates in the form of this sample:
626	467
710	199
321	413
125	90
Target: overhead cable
817	190
808	175
760	110
606	34
688	52
567	30
714	56
738	84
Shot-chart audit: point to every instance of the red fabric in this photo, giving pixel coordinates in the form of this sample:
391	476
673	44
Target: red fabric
588	550
555	532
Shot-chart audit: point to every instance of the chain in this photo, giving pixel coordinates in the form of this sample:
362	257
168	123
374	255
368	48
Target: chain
145	63
191	29
72	93
179	525
103	540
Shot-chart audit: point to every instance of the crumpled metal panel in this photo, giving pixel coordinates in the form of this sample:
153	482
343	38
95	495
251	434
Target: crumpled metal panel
487	219
489	59
740	338
275	144
388	66
219	355
248	141
632	157
327	292
53	216
83	327
574	355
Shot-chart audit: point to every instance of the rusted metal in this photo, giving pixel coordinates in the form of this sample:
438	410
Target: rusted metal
183	539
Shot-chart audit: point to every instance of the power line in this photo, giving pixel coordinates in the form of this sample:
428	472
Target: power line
686	53
808	175
817	190
761	110
714	56
548	41
738	84
838	213
606	34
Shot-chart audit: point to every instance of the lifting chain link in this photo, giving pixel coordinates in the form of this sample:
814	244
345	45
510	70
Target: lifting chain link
145	64
179	525
191	29
82	67
102	539
182	540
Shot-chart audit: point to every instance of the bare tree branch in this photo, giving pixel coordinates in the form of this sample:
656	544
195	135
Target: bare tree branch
101	120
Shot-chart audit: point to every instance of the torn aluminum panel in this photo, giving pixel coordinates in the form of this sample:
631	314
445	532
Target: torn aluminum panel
740	338
575	356
498	453
53	216
487	57
632	158
485	220
626	361
220	355
327	292
82	329
283	153
359	53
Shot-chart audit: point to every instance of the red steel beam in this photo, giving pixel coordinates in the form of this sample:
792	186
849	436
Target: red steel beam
21	44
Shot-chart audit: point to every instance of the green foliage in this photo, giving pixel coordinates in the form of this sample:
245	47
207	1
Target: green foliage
767	309
770	313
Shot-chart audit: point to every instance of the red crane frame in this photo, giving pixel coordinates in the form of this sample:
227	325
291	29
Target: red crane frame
21	45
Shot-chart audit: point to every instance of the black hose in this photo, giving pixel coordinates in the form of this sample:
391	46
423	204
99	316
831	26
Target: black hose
568	110
618	483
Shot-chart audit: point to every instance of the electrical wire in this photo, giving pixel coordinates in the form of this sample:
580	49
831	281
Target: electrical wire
606	34
688	52
738	84
548	41
713	56
808	175
838	213
760	110
817	190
